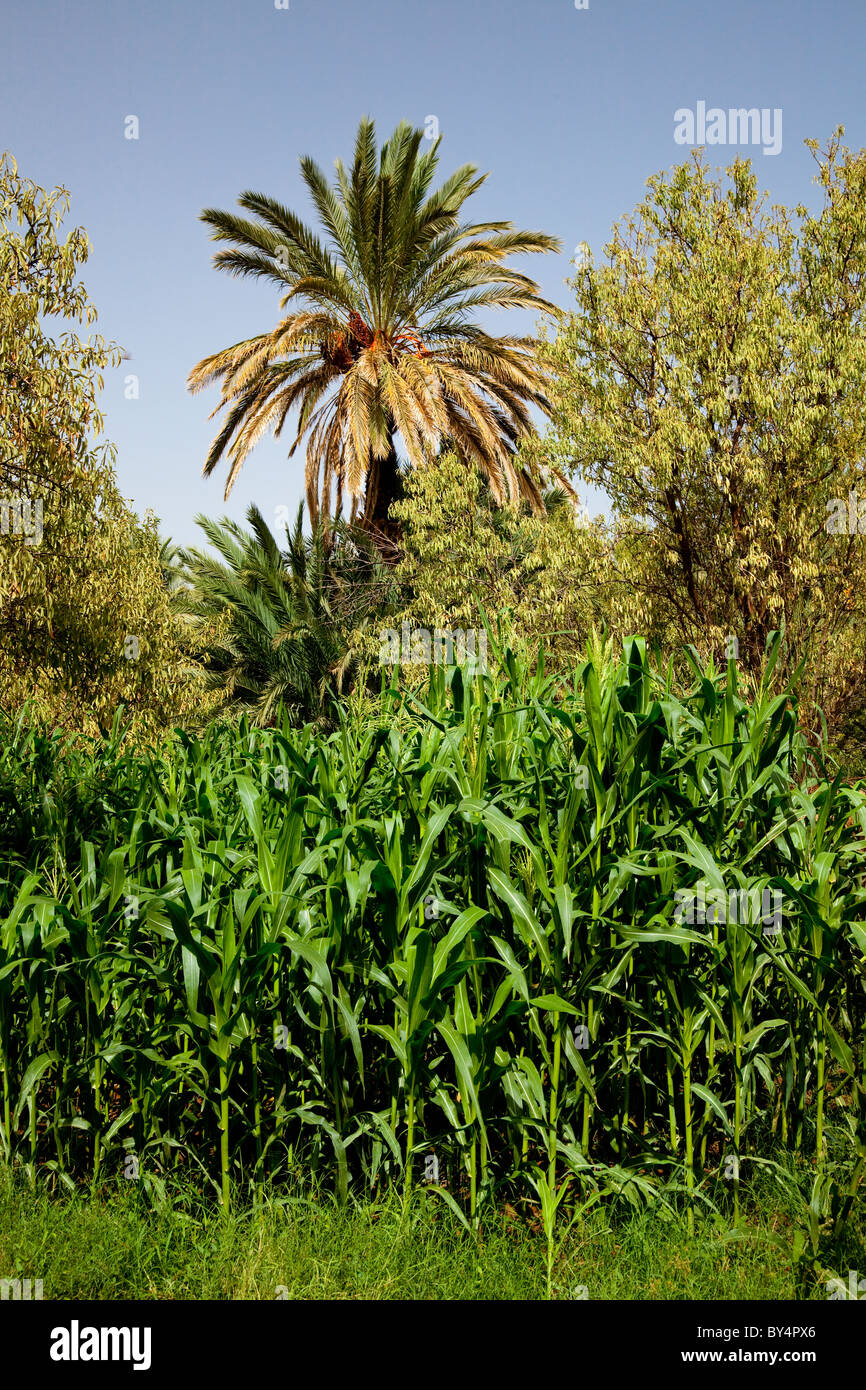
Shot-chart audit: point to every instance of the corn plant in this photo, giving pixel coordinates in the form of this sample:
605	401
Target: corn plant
457	925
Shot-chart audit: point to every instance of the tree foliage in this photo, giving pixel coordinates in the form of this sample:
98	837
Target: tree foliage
85	617
712	379
539	578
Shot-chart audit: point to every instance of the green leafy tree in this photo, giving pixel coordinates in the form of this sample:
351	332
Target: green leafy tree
380	342
538	578
712	380
85	618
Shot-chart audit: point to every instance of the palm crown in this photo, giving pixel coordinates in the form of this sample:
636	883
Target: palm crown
378	338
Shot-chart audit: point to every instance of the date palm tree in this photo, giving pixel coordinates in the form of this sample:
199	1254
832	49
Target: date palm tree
288	613
378	339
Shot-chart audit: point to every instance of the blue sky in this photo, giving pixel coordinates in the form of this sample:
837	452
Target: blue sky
569	110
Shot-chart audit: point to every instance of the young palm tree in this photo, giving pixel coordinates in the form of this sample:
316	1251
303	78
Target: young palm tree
378	341
287	615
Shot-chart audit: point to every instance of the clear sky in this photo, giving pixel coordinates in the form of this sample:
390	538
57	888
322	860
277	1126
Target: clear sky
569	110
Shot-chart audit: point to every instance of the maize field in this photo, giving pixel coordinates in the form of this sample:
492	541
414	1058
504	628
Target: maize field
443	947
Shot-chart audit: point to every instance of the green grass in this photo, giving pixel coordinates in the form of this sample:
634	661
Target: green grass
110	1246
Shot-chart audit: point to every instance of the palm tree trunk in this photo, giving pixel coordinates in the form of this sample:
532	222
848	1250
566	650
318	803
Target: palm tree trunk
384	486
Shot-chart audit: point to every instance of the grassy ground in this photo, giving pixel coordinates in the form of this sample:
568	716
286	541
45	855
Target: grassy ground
110	1246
